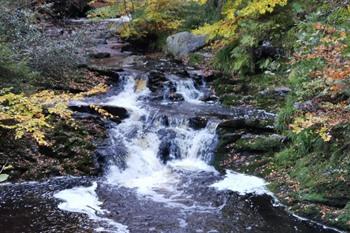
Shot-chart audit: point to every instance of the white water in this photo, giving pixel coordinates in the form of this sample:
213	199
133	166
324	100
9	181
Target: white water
242	184
186	87
84	200
145	172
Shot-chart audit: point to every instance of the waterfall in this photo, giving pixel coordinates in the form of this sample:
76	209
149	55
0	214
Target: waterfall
159	170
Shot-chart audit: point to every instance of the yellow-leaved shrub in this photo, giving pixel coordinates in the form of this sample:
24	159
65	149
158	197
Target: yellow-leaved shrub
233	11
29	114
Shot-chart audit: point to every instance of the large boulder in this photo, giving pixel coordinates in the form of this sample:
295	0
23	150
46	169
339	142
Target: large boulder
181	44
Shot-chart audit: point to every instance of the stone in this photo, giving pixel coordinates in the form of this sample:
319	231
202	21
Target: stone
181	44
118	112
278	91
168	150
209	98
242	123
198	122
307	106
261	143
134	60
100	55
175	97
156	80
140	85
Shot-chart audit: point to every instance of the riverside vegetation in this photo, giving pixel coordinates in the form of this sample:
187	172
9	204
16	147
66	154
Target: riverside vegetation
289	57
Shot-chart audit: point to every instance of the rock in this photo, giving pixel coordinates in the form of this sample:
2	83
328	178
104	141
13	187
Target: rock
106	71
208	98
140	85
267	50
100	55
206	75
278	91
282	91
242	123
181	44
134	60
175	97
118	112
261	143
168	150
156	80
307	106
198	122
164	120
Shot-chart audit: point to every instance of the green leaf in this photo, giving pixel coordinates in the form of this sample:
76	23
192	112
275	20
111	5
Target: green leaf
3	177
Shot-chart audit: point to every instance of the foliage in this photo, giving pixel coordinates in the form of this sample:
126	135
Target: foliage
160	16
316	115
245	26
30	114
4	176
24	47
328	49
233	12
111	9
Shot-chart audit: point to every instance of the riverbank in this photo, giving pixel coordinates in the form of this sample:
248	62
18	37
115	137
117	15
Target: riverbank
56	67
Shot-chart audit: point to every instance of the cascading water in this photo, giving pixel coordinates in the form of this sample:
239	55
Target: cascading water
158	176
164	173
187	88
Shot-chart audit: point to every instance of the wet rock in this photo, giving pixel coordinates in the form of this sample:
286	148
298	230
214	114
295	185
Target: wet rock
242	123
181	44
176	97
134	60
117	112
230	137
209	98
168	150
156	80
106	71
198	122
167	133
140	85
164	120
100	55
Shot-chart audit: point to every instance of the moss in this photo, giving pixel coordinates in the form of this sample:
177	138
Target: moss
313	197
196	59
256	90
344	217
259	143
106	12
286	157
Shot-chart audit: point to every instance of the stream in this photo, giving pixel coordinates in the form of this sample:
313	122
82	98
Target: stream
158	175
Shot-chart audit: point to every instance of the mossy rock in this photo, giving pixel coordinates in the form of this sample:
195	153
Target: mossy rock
260	143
